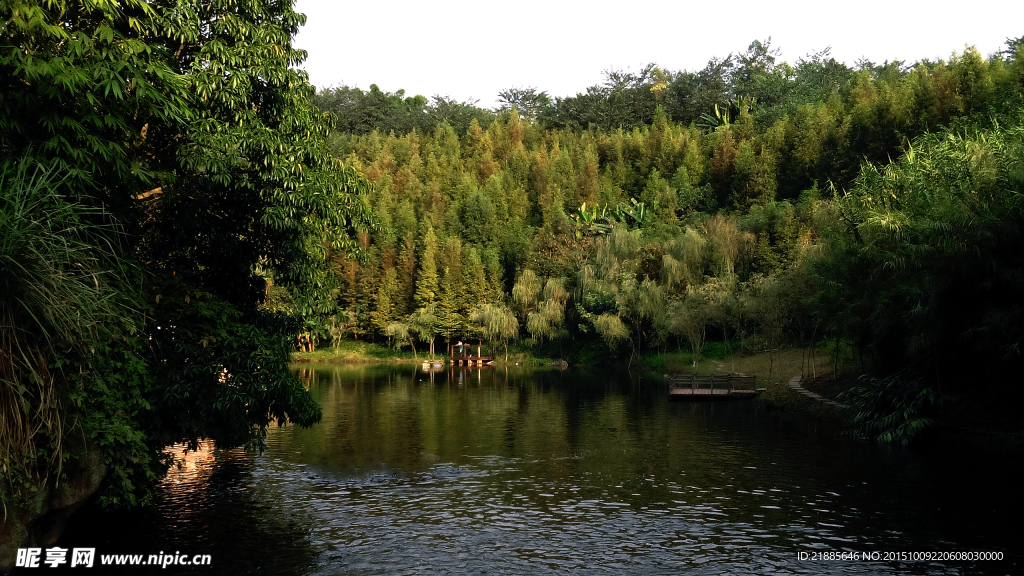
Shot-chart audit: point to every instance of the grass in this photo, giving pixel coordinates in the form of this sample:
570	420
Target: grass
361	351
356	351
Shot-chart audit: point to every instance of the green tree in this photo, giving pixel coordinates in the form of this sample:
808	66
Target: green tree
423	323
691	316
449	319
526	101
477	288
400	334
926	262
427	287
384	303
89	91
547	320
526	292
496	323
190	125
406	274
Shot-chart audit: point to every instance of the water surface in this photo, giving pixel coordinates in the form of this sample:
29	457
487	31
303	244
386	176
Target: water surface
517	472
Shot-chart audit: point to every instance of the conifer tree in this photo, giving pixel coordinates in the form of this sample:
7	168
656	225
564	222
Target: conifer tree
660	198
384	303
427	287
406	272
478	290
492	268
449	318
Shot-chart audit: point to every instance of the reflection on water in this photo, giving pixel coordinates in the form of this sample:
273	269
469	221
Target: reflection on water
488	471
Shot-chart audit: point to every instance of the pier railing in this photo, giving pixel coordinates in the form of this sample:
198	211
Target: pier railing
699	384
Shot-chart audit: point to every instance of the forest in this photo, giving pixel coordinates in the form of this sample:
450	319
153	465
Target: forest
181	210
754	203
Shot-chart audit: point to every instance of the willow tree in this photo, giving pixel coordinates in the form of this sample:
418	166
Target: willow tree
684	260
526	292
726	241
611	329
400	335
496	323
423	323
546	321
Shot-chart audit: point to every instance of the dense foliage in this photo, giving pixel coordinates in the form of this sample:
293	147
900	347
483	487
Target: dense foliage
752	202
177	215
161	161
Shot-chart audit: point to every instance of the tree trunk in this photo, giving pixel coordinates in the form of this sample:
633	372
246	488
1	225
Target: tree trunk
814	370
835	369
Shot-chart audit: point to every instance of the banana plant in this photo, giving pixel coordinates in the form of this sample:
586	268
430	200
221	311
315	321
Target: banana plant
635	213
593	222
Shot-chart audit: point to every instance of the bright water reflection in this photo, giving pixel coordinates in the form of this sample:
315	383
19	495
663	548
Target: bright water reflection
484	471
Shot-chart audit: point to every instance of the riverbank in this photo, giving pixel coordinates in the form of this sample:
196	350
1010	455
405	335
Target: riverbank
964	422
773	371
362	352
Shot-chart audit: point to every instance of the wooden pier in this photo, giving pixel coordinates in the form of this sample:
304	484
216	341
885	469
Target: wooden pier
470	360
478	360
712	387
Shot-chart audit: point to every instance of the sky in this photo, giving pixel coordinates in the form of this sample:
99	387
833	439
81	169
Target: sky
472	49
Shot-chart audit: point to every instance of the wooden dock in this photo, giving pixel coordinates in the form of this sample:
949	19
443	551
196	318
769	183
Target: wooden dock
712	387
478	360
470	360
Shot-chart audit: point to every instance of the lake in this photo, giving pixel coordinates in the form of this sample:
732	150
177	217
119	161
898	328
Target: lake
494	471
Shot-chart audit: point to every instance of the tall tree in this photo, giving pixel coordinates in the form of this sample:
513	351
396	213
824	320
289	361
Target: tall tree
427	286
187	125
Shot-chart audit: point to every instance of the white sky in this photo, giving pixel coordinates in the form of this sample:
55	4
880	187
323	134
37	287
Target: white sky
475	48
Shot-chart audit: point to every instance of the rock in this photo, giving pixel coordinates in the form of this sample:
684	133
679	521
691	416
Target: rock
43	514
